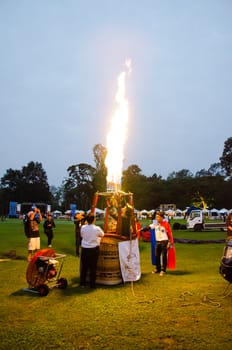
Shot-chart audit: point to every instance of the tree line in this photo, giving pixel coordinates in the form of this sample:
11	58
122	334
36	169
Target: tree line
30	184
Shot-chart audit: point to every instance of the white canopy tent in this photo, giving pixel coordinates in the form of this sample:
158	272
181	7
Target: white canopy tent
223	211
57	212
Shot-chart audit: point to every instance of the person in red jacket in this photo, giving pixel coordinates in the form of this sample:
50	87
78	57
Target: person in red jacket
164	241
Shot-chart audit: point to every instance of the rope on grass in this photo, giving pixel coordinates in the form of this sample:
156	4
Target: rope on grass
205	300
150	301
132	288
133	292
227	291
131	269
142	298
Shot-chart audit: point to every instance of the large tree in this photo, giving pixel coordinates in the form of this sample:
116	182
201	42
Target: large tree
226	158
78	187
181	174
216	169
135	182
99	178
29	184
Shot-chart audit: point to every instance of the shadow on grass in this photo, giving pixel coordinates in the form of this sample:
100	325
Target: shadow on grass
11	255
66	251
24	292
179	272
69	291
169	273
72	289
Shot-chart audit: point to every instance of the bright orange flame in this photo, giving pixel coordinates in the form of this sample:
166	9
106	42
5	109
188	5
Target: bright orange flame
117	135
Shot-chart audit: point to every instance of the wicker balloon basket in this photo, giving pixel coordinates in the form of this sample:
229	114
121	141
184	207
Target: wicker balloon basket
108	268
226	262
119	225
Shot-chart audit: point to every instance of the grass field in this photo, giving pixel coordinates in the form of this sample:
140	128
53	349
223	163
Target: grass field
190	308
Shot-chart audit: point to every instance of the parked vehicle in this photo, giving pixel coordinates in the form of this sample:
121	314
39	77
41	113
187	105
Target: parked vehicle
195	221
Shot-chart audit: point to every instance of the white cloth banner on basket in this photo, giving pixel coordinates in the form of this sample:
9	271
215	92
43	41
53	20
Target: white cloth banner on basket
129	260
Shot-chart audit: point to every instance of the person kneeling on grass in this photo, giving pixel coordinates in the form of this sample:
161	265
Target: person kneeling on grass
91	237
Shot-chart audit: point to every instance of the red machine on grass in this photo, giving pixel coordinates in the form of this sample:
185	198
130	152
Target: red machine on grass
43	272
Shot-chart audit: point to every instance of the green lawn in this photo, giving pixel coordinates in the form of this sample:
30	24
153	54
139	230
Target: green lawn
190	308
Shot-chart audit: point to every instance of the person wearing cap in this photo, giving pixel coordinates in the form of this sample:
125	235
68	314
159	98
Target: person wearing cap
164	242
91	237
79	220
35	218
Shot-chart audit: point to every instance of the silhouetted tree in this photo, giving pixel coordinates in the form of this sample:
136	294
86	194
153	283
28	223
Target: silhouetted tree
181	174
57	197
27	185
78	188
133	181
30	184
216	169
226	158
99	177
202	173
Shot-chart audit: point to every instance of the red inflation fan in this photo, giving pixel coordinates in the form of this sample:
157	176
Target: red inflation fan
43	272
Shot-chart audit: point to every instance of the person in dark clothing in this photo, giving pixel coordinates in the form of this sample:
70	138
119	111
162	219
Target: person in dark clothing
91	238
79	221
48	226
127	220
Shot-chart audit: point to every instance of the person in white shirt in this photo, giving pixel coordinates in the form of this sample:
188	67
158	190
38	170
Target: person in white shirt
91	235
164	239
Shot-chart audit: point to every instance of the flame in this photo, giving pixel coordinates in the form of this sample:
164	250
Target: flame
117	135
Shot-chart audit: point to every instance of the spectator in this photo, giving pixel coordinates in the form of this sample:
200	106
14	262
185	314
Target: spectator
79	221
48	226
91	238
164	240
34	217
